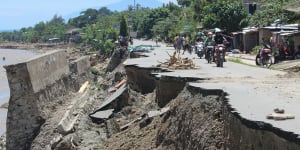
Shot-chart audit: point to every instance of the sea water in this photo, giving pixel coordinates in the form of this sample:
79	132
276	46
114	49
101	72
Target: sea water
8	57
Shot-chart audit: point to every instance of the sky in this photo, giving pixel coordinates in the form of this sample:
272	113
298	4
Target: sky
16	14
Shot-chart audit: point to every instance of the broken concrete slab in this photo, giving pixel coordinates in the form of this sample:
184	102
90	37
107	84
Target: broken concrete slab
105	114
158	112
124	127
67	122
99	115
150	114
113	97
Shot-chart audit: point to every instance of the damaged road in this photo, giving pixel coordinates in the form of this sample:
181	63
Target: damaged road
204	107
250	94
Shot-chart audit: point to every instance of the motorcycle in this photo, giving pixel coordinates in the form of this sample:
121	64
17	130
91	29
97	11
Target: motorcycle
220	55
264	57
208	54
199	49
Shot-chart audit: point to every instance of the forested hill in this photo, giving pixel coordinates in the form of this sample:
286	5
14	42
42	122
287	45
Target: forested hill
97	28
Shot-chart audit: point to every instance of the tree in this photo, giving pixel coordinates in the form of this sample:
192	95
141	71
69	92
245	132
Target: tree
198	9
184	3
225	14
104	11
56	20
123	26
150	18
269	11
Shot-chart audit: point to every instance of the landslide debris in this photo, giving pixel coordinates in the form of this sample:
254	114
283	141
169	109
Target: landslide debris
182	127
176	62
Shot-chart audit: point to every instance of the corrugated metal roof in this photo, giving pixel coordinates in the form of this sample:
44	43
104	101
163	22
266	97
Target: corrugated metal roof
293	7
283	27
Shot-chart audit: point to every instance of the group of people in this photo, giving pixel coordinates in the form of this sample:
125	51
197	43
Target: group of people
208	38
182	42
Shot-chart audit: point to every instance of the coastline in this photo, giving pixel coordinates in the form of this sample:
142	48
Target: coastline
12	56
34	46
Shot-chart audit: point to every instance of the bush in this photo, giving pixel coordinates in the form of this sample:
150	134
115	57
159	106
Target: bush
255	49
108	46
96	72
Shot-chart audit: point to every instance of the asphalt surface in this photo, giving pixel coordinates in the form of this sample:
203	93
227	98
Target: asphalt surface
253	92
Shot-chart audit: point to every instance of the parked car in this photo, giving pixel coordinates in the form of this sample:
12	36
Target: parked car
141	48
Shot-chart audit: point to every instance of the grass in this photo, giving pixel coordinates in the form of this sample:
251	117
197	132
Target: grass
239	61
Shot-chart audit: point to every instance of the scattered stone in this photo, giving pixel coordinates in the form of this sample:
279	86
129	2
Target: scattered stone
277	116
280	111
158	112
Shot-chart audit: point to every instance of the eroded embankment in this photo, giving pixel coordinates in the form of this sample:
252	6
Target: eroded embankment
198	119
40	89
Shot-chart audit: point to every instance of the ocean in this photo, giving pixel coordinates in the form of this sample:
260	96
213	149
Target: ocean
7	57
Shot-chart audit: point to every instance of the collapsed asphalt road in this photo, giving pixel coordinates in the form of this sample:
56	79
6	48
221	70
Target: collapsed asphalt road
204	108
253	92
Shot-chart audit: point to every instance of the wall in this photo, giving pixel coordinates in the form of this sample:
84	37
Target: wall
46	69
296	39
36	87
80	65
264	34
250	40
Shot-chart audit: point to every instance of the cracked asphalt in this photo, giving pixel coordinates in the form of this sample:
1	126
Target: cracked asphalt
253	92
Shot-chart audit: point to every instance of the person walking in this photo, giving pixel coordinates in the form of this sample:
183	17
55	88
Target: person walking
178	43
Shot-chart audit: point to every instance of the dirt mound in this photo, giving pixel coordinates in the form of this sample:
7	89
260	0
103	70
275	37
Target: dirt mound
180	128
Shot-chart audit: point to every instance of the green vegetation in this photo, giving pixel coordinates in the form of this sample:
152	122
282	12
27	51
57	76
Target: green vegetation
239	61
97	72
123	26
256	49
99	28
235	60
271	10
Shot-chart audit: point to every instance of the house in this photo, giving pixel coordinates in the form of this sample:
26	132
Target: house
250	5
245	40
293	7
73	35
276	35
250	37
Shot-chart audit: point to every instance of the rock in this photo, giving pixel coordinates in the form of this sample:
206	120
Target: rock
278	116
277	110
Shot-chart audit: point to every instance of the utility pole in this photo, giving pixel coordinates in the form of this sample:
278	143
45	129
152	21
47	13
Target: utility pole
134	5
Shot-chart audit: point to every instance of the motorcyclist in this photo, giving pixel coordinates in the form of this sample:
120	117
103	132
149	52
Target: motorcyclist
208	42
219	39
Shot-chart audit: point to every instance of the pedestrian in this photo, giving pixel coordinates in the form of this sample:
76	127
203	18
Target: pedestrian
178	43
183	43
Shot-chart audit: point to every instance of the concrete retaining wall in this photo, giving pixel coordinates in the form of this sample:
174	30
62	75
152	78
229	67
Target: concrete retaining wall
36	87
46	69
80	65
